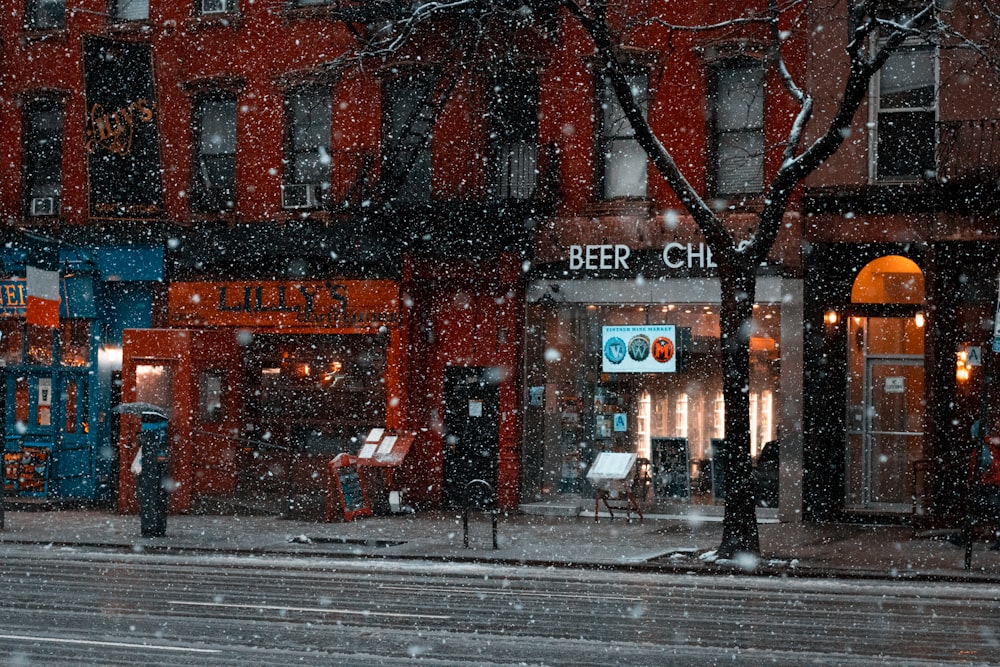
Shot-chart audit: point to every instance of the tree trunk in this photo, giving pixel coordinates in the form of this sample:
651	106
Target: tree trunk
739	286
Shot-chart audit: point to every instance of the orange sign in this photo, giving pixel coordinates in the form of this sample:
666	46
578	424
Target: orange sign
340	304
662	349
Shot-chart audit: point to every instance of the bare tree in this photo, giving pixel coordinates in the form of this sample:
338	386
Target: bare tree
880	28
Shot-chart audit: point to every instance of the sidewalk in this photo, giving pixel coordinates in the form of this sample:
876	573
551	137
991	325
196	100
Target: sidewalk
669	544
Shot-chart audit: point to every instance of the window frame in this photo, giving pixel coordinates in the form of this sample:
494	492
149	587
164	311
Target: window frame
415	186
231	7
34	179
297	147
878	111
205	197
118	13
513	141
605	158
717	183
33	11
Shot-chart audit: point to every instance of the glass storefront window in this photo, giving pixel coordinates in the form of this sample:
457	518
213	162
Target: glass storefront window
11	340
318	393
40	345
74	336
583	410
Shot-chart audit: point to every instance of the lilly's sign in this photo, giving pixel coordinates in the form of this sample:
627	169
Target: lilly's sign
121	136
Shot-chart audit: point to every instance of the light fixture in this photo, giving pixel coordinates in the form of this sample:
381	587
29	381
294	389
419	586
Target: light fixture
918	319
962	364
831	317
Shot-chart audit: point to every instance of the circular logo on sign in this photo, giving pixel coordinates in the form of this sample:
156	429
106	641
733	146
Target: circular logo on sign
614	350
663	349
638	347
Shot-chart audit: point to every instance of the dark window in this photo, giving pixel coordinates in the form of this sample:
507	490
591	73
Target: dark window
622	161
213	185
42	157
45	14
308	113
408	120
737	118
130	10
904	147
513	121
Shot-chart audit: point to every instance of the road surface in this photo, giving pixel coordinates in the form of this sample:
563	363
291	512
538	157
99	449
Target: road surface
80	607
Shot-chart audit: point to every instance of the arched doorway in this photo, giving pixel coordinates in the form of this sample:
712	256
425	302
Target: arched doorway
885	385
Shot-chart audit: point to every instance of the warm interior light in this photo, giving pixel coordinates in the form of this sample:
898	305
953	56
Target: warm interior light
962	364
831	317
918	319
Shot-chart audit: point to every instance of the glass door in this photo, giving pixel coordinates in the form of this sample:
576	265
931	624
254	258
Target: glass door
886	438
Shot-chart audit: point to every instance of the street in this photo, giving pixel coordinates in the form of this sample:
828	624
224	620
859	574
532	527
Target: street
80	607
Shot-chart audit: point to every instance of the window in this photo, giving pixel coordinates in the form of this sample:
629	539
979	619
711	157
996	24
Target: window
737	117
307	158
74	336
216	6
130	10
213	186
905	128
408	121
622	161
45	14
42	157
11	340
513	121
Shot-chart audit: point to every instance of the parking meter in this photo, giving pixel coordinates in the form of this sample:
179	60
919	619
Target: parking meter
151	484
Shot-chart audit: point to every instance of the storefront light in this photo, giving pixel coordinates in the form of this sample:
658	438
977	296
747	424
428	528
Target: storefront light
831	317
109	356
962	364
918	319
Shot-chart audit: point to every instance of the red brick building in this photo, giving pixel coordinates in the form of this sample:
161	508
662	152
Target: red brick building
293	246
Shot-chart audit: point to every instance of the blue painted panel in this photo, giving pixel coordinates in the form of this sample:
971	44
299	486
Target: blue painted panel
129	264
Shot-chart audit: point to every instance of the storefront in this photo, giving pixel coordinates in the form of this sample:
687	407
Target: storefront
631	363
267	382
60	380
899	354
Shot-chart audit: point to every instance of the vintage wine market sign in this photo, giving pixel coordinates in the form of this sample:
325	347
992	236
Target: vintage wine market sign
121	136
639	349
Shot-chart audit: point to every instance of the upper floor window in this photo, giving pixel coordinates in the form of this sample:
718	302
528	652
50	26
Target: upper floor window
213	186
308	116
45	14
408	118
622	162
216	6
737	126
906	115
512	111
130	10
41	161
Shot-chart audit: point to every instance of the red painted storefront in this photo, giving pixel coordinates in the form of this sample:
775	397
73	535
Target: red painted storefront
222	336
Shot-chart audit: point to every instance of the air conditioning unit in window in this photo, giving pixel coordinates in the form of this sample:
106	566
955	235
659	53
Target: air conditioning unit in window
300	195
43	206
217	6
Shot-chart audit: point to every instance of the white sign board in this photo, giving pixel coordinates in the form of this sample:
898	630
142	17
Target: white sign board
611	467
650	348
895	385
